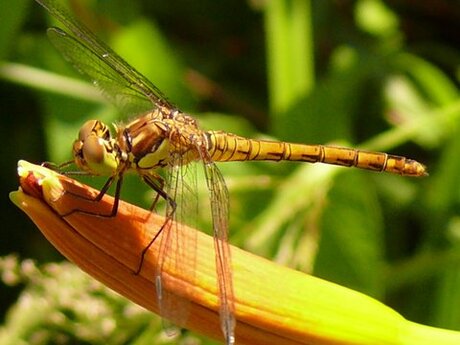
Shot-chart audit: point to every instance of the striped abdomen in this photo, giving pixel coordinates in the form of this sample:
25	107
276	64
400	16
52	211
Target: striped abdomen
226	147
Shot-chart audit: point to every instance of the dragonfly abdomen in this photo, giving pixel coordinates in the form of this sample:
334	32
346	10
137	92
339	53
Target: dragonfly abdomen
225	147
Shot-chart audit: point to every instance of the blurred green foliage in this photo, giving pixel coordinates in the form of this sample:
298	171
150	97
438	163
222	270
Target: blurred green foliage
380	75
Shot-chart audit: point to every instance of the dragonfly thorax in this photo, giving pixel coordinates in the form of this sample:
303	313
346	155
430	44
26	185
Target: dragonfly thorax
146	143
95	151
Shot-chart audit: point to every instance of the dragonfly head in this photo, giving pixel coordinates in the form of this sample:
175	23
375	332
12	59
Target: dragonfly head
94	151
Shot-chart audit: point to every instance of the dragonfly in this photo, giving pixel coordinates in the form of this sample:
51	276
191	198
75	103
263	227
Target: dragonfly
162	137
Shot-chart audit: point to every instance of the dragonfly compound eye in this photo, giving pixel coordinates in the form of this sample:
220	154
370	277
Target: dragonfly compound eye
96	155
94	127
93	150
86	130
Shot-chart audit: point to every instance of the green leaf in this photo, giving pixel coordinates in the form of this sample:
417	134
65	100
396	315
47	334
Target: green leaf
351	236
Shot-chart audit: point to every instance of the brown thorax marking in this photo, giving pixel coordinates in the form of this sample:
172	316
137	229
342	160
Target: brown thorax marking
153	139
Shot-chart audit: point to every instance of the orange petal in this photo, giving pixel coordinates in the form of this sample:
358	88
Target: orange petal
274	304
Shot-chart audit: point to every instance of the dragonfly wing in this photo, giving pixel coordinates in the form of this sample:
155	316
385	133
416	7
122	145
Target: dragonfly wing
112	84
119	81
219	208
180	185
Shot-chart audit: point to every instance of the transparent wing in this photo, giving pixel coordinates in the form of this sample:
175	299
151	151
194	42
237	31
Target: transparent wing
120	82
219	208
112	84
180	185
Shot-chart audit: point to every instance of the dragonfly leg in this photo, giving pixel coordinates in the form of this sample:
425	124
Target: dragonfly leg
157	185
51	166
60	167
99	196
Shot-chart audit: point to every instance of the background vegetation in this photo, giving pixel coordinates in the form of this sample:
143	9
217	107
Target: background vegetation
373	74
